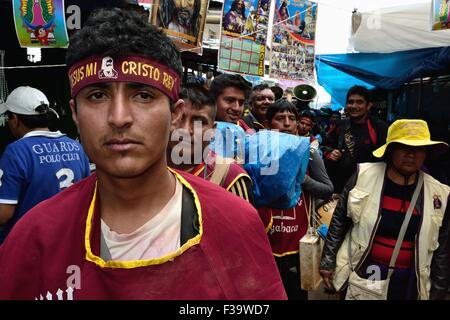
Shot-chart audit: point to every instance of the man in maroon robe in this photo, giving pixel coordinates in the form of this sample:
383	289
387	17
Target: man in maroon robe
192	154
135	229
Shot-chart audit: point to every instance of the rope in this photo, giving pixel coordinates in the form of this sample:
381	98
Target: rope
32	67
3	84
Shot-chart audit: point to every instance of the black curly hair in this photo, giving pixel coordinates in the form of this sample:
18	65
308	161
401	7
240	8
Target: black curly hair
115	32
360	90
280	106
226	80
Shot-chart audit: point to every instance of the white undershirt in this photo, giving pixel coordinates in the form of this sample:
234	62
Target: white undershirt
156	238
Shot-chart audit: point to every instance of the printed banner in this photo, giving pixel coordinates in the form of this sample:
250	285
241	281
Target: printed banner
243	36
440	14
293	40
40	23
182	20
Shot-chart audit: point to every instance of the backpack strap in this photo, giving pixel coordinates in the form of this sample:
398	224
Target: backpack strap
221	169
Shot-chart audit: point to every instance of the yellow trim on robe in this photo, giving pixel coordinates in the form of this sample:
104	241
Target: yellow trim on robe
197	173
141	263
269	226
239	189
236	179
246	192
259	123
285	254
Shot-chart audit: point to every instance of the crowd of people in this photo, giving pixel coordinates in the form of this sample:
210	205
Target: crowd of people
163	216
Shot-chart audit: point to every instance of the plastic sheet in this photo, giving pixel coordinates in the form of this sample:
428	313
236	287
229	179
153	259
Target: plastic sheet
275	161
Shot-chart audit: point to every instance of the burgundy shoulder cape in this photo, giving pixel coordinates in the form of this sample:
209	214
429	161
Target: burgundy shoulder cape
47	253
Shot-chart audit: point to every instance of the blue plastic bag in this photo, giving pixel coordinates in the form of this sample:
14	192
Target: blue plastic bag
322	231
275	161
228	140
277	164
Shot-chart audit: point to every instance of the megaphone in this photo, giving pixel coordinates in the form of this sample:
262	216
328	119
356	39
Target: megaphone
277	91
304	94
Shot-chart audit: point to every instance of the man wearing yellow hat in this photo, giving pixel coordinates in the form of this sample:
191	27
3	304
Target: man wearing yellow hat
389	235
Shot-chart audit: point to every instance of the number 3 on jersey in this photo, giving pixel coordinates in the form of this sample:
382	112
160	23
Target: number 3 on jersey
67	178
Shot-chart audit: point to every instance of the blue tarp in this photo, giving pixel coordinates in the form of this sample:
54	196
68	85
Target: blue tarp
337	72
275	161
335	106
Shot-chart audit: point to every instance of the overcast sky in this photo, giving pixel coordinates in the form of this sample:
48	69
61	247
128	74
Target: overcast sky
334	21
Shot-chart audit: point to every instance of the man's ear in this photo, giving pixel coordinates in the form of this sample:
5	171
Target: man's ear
15	126
177	114
73	108
13	121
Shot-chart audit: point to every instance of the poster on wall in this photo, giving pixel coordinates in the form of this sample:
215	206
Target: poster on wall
182	20
293	40
40	23
243	37
440	14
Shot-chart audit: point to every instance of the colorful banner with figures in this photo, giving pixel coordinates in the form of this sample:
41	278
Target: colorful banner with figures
293	39
243	37
182	20
40	23
440	14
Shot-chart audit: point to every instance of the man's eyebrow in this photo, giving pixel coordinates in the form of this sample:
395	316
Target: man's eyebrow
356	99
201	117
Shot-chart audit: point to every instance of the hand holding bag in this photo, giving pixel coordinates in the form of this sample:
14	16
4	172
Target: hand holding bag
367	289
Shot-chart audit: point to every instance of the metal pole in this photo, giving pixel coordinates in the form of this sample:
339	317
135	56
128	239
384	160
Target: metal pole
419	100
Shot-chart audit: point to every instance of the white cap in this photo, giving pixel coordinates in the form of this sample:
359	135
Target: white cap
24	100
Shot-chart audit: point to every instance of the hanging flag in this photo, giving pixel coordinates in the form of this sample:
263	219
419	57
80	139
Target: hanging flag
182	20
243	37
440	14
40	23
293	40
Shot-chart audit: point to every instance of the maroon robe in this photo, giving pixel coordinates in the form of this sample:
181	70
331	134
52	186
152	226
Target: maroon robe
288	226
235	173
47	251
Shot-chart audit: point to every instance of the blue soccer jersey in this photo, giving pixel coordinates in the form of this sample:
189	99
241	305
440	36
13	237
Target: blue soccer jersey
35	168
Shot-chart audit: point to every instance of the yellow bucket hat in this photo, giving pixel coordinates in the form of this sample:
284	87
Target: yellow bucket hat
410	132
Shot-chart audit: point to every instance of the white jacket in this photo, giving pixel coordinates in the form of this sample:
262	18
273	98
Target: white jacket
363	205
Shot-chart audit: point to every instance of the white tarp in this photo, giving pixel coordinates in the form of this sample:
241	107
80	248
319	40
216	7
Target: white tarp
399	28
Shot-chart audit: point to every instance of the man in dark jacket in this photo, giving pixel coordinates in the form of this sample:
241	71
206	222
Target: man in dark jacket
261	98
353	139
